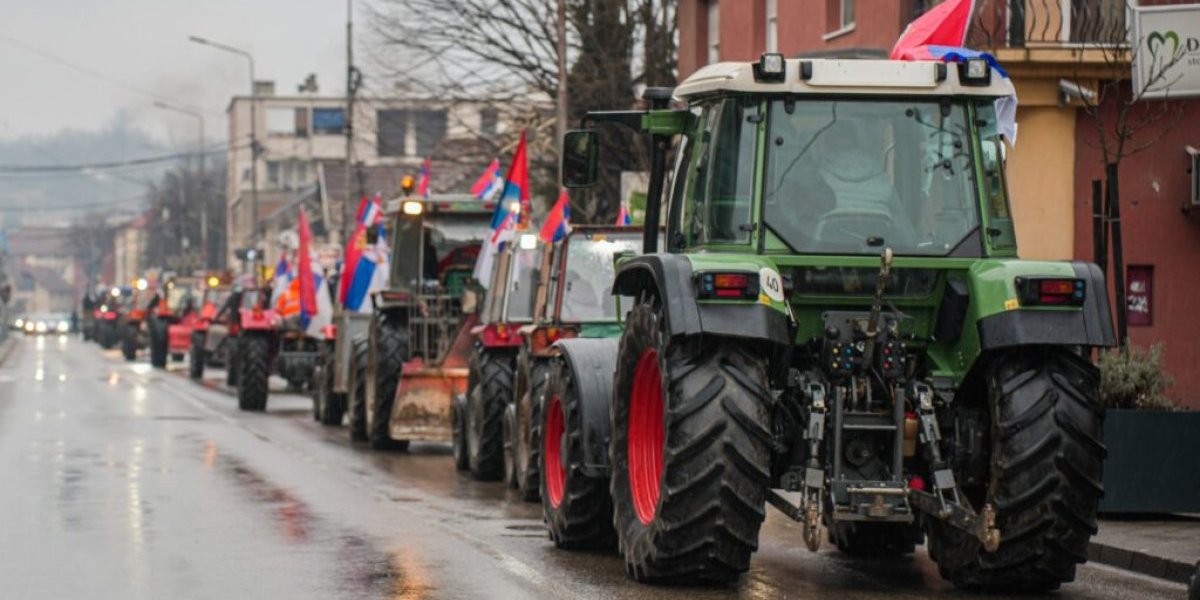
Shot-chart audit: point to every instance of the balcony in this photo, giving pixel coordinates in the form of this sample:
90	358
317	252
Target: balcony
1053	24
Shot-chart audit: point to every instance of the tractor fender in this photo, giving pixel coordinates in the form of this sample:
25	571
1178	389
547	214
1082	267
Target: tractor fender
1091	326
669	276
592	362
252	320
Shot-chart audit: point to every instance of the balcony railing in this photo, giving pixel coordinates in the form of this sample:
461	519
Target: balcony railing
1047	23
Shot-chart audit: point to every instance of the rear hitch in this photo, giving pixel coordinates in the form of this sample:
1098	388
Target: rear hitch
946	503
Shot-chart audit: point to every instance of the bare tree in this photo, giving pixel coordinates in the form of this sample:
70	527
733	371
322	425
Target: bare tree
506	51
1125	121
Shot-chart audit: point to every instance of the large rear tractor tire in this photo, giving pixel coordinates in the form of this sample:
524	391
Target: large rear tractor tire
197	356
577	508
527	447
1046	440
690	450
231	361
391	350
485	415
158	343
253	371
129	342
509	436
329	406
357	394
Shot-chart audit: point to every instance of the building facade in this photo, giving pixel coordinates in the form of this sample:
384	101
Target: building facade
302	148
1052	50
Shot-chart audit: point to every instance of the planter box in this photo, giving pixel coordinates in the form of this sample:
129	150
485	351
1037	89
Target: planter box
1153	462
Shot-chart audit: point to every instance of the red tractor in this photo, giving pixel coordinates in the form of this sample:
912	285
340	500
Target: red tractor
269	344
211	338
169	328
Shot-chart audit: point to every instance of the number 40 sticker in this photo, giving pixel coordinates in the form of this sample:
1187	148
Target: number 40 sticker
772	284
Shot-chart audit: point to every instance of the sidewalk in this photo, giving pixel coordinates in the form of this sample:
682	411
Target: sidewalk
1164	546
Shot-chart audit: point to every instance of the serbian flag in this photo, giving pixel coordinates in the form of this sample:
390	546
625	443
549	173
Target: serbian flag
623	219
281	279
370	275
514	200
423	180
943	25
369	214
489	183
558	220
304	271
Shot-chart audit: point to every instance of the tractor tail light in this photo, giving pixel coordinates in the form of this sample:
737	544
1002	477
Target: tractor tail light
728	285
1052	292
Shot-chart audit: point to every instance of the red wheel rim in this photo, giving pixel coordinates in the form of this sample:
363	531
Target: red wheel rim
556	473
646	436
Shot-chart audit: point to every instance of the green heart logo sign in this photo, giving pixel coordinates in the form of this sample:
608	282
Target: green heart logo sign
1156	39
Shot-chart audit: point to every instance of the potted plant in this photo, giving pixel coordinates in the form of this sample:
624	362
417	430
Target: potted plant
1153	448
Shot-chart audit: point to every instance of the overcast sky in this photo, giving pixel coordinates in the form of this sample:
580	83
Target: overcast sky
144	43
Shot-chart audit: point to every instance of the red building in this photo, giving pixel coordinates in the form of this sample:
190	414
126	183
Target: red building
1051	169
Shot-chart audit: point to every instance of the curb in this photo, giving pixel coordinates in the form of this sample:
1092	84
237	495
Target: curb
1141	562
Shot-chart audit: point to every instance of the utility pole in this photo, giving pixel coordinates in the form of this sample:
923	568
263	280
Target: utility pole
562	79
351	89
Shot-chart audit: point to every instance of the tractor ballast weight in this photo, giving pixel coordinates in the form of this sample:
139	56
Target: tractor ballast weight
850	324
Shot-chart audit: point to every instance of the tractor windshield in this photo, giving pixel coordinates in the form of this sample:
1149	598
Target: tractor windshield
522	283
590	261
855	176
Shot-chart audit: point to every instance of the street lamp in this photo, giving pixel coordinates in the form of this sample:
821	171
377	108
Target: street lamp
203	183
253	127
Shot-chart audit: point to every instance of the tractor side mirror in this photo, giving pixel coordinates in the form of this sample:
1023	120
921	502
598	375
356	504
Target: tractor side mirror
579	158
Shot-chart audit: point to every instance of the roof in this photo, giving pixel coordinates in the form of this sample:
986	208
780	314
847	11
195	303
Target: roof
41	241
842	76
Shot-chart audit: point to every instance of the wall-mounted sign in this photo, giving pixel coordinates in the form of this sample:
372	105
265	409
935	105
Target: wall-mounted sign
1139	295
1166	50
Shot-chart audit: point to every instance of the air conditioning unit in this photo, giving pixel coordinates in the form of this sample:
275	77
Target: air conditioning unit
1193	202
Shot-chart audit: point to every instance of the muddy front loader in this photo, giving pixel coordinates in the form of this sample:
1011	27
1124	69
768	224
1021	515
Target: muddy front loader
839	325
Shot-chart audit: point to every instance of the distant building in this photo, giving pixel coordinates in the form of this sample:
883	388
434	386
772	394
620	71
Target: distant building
302	158
44	269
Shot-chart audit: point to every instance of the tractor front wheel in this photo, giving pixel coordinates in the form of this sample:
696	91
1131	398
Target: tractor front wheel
1047	447
458	435
390	352
577	508
254	368
129	342
196	356
690	450
527	445
357	394
158	343
485	415
329	405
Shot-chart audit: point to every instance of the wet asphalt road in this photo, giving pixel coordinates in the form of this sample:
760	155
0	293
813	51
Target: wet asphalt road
124	482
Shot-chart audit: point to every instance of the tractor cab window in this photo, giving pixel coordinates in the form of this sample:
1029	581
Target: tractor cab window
722	186
995	194
853	177
587	283
250	299
522	283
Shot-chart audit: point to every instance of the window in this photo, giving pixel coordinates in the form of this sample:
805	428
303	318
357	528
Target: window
846	14
1000	223
489	119
714	31
287	174
839	18
430	126
280	122
391	132
301	120
772	26
856	176
723	183
328	121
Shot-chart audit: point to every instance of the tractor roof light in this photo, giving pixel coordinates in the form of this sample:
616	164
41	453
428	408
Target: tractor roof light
412	207
528	241
213	281
141	284
975	72
407	185
115	292
770	67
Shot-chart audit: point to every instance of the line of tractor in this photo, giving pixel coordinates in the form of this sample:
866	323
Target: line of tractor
827	314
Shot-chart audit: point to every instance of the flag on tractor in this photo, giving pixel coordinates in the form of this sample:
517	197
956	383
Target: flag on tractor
943	25
281	278
370	274
489	183
512	212
623	219
304	271
558	220
423	181
369	213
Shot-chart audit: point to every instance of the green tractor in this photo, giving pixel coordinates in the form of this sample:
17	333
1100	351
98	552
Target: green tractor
568	304
839	325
